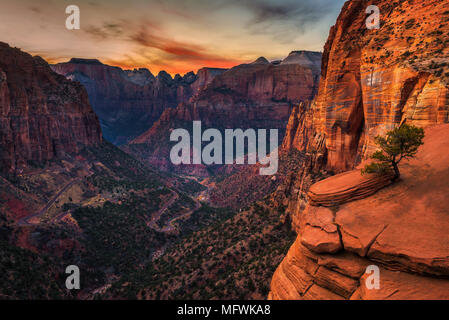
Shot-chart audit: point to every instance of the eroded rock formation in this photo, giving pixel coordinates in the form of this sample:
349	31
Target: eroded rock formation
256	95
42	114
402	229
347	187
371	81
128	102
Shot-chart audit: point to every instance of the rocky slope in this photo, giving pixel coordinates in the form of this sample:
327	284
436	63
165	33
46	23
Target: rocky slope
232	259
69	197
371	81
391	75
402	229
256	95
42	115
128	102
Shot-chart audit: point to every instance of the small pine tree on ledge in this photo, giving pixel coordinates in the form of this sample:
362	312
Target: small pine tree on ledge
401	143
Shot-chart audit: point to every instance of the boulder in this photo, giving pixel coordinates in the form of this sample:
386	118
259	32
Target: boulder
347	186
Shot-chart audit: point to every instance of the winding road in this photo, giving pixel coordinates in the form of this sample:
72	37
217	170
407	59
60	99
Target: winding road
24	222
169	226
157	216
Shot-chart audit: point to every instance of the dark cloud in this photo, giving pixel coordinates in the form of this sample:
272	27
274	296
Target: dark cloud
283	20
264	12
298	12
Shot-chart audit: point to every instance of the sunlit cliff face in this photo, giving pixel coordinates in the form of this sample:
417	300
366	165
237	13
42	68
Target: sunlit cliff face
173	35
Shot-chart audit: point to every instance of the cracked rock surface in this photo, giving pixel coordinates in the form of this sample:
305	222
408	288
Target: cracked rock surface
402	229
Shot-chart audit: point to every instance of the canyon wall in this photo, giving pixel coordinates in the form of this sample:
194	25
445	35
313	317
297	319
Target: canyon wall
42	114
371	81
255	95
128	102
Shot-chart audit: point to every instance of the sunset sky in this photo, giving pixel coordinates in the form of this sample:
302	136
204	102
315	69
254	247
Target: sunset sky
173	35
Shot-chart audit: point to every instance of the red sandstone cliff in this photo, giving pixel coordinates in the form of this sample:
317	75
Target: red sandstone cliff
42	114
204	78
371	81
263	83
402	229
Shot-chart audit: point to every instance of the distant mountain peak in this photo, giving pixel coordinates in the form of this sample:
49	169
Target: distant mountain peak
310	59
164	74
261	60
141	76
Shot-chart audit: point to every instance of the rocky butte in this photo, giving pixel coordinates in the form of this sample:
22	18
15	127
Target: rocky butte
371	81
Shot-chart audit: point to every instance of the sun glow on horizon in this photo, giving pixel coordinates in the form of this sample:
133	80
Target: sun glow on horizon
175	36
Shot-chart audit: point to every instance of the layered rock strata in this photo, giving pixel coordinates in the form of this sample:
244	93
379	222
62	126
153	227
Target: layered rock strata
255	95
346	187
128	102
42	114
372	81
401	229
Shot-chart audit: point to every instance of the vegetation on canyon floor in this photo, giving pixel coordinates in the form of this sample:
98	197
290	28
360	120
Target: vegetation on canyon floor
234	259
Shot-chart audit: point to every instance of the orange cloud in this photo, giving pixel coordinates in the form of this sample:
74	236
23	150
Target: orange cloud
153	49
179	51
